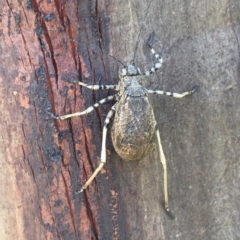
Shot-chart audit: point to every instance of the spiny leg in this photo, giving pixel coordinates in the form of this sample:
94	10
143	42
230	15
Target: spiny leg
172	94
157	56
103	152
98	87
86	111
165	183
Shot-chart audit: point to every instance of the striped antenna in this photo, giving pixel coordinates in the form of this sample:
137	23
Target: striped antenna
117	60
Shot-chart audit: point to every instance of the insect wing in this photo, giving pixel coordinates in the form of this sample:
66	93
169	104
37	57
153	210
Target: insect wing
134	127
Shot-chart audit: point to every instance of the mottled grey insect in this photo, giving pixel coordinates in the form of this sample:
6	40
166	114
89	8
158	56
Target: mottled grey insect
133	131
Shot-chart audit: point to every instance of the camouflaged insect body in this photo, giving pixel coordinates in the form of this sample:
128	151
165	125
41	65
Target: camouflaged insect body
134	126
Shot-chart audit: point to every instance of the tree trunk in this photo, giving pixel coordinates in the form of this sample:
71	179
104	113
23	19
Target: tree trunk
47	45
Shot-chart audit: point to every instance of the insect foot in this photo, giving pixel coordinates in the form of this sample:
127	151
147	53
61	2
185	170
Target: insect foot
53	116
150	39
194	89
134	128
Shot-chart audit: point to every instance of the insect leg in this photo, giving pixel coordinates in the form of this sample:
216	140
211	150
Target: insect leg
98	87
103	152
159	62
86	111
164	165
172	94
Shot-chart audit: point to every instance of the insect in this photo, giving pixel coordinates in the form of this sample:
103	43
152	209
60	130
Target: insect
134	132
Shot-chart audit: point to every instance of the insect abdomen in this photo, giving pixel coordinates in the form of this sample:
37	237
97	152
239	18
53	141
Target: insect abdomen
134	127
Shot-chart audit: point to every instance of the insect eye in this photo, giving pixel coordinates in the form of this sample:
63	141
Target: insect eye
124	72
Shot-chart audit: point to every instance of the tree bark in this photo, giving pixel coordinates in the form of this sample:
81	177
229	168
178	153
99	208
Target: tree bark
47	45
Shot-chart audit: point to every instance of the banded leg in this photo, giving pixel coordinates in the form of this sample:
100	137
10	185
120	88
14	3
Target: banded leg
86	111
157	56
98	87
165	183
172	94
103	152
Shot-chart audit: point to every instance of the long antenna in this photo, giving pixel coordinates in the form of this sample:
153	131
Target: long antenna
140	33
117	60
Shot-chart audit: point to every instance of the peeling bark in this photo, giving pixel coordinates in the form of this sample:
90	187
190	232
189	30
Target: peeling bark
45	46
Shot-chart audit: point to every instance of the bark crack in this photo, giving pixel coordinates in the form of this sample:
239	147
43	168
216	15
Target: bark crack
70	206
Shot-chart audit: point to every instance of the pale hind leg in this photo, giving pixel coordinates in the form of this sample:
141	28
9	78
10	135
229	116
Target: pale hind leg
165	180
103	152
